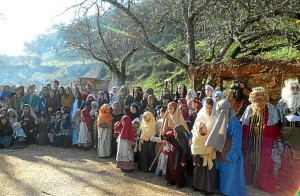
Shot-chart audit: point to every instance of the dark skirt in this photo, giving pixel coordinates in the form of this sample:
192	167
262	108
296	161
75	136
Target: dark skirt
146	156
204	179
175	175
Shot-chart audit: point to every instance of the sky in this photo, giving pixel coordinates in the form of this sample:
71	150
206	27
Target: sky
22	20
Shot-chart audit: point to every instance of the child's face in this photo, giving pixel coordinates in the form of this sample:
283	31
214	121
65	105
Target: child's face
146	119
42	119
133	110
162	114
3	121
150	102
136	127
165	101
57	116
171	109
107	110
203	129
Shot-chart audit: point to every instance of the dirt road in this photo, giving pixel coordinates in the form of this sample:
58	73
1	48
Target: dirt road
46	170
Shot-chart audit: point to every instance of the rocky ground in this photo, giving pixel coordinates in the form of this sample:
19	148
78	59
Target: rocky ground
46	170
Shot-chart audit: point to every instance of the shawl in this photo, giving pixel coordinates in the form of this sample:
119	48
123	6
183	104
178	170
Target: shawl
88	120
171	120
125	129
217	136
148	128
104	117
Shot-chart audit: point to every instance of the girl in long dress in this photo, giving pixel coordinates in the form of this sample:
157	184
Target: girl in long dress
104	126
84	136
177	160
146	147
126	142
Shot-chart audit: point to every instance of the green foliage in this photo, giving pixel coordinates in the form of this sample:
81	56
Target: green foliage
282	53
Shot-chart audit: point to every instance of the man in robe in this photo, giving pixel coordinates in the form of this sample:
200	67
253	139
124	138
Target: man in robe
289	120
238	99
261	142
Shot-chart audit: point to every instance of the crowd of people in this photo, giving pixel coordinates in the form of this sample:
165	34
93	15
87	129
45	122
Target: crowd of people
221	142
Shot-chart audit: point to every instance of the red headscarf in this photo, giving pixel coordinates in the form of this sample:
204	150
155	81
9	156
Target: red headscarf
88	119
125	129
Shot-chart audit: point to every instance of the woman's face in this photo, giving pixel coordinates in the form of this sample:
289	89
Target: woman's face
208	92
62	110
26	109
107	110
3	121
60	90
171	109
195	105
18	92
146	119
51	93
150	101
190	95
133	109
208	109
67	91
180	89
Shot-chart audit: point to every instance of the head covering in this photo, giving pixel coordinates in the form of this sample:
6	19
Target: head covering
220	94
95	103
166	96
184	111
104	117
148	128
115	87
125	129
58	113
138	112
149	91
17	125
192	92
11	110
117	108
91	95
31	112
217	136
88	120
3	116
124	89
183	142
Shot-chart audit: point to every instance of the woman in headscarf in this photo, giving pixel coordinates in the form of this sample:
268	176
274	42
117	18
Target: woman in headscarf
29	120
146	147
94	112
191	94
104	127
135	112
84	137
172	118
226	137
177	159
126	142
205	174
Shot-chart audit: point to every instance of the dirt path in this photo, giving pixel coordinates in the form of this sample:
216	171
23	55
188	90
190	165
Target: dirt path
45	170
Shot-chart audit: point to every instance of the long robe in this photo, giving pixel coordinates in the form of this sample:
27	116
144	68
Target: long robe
232	179
257	149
